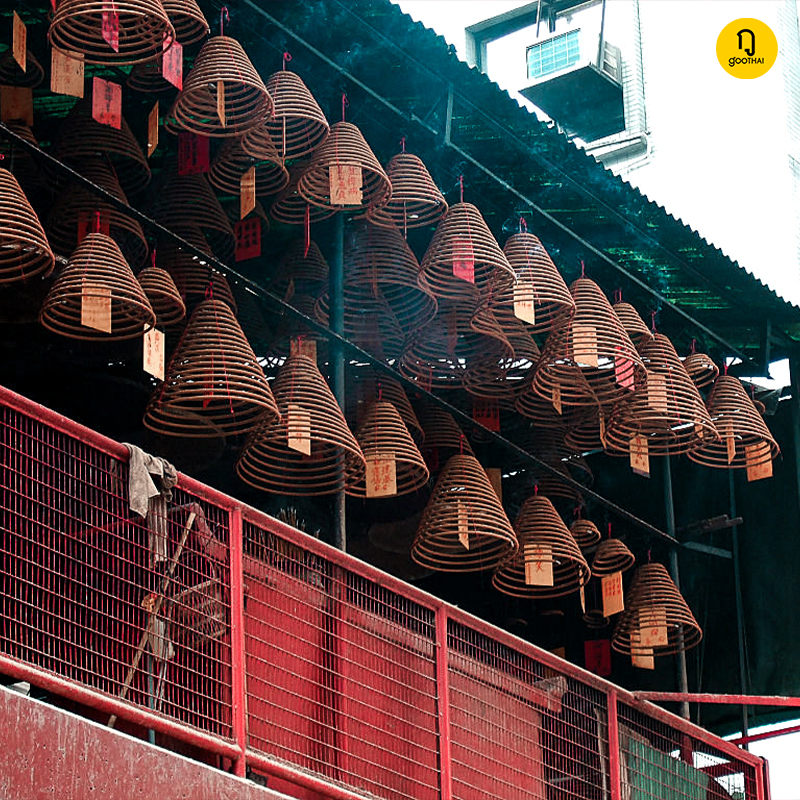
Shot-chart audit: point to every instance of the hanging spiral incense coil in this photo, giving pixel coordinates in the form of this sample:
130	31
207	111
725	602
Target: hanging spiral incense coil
588	360
309	412
143	29
382	434
24	249
464	244
223	95
163	295
148	78
301	270
21	163
548	562
668	411
743	437
346	153
291	208
443	437
701	369
587	432
81	138
297	126
494	356
416	200
612	556
634	325
187	19
213	374
232	162
585	533
655	611
463	527
97	270
11	74
78	208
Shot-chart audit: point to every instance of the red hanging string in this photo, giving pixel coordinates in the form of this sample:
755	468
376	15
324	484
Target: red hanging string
609	530
725	367
461	184
97	222
649	555
153	257
287	56
307	230
523	226
653	321
694	346
576	512
380	392
536	489
618	295
583	269
403	143
461	444
345	104
223	15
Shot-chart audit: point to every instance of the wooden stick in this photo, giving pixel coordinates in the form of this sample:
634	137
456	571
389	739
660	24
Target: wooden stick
165	582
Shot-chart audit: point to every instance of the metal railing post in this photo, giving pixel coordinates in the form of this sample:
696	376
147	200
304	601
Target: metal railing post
614	770
443	705
238	663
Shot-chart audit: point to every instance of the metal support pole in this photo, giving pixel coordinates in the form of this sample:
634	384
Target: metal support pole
336	291
602	44
669	506
794	377
238	662
743	687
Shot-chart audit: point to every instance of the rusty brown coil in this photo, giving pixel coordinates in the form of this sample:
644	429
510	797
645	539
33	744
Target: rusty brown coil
213	374
302	270
24	249
668	410
381	268
144	28
701	368
634	325
595	620
76	206
245	103
416	200
163	295
188	20
737	421
551	485
612	555
654	607
80	138
584	430
232	162
585	533
383	434
588	360
297	126
148	78
488	366
291	208
544	543
97	269
464	527
286	327
187	201
542	411
345	147
442	434
268	463
11	73
20	161
463	238
526	357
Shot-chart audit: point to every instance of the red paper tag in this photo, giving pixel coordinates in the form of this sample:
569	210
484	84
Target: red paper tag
623	371
107	102
16	104
92	222
152	130
96	306
193	153
172	64
613	601
66	72
524	295
298	429
584	345
153	353
381	475
19	39
463	525
538	564
598	657
463	260
653	629
346	185
221	102
758	460
248	238
486	412
110	26
247	192
639	455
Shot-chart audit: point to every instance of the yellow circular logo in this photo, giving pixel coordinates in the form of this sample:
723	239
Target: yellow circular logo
747	48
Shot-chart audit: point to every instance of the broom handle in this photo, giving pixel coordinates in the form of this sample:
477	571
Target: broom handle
165	582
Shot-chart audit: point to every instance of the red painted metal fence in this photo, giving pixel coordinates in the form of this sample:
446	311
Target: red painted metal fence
219	626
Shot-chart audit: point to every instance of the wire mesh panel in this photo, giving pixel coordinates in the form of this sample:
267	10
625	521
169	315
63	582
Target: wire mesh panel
660	762
134	607
519	730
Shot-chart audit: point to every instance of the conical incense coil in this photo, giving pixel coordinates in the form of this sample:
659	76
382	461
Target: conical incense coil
81	137
297	126
548	445
302	270
163	295
553	484
612	555
143	30
187	19
213	374
380	267
490	361
464	246
634	325
585	533
668	410
291	208
416	200
701	369
20	161
656	620
313	422
464	527
538	288
345	154
744	439
11	73
97	273
187	201
443	437
148	78
24	250
542	411
586	433
548	563
223	95
588	360
383	436
232	162
526	357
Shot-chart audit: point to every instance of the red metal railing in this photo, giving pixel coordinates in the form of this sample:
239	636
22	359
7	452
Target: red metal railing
222	627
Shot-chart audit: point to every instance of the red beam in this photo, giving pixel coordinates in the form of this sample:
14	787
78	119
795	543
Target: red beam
238	659
732	699
758	737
